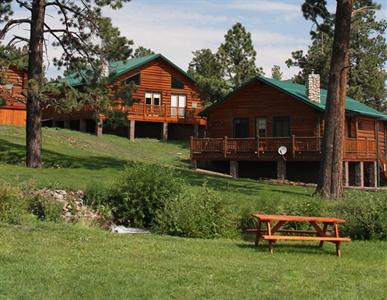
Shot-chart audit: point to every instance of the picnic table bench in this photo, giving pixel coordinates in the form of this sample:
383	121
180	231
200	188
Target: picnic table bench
325	230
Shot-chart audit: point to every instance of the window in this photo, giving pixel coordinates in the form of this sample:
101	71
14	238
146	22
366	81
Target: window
351	128
176	83
178	104
261	127
281	126
241	127
152	98
136	79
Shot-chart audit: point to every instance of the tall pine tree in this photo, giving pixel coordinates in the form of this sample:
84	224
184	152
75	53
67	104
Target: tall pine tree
368	54
237	56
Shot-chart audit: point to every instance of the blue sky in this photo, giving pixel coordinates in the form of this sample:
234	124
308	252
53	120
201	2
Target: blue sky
175	28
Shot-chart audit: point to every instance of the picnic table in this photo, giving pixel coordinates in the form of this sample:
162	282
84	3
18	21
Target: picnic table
326	229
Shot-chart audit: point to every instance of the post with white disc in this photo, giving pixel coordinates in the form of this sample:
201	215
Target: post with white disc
281	163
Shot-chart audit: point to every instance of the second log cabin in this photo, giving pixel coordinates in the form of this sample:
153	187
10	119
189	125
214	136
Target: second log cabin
246	130
166	102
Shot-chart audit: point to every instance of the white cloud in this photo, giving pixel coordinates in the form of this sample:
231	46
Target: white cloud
266	6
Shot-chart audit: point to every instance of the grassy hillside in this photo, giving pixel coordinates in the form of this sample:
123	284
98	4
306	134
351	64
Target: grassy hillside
70	261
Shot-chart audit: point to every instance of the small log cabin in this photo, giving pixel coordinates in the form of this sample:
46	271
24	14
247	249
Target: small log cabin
12	100
246	129
166	102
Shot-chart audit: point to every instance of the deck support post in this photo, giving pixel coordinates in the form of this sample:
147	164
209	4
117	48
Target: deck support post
359	174
82	125
54	123
66	124
194	164
132	129
346	173
281	169
234	168
196	130
165	132
373	174
98	126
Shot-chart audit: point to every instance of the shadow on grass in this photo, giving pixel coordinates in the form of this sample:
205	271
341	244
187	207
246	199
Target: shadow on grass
247	187
14	154
289	248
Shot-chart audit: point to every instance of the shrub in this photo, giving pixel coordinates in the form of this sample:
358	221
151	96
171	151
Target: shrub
142	191
12	204
46	209
199	215
365	214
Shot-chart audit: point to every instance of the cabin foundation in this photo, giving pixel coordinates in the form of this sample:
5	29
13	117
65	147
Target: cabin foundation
346	173
165	132
66	124
98	127
359	174
281	169
194	164
234	168
132	129
373	174
82	125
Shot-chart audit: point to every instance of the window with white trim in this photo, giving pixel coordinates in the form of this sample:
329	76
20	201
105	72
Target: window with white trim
152	98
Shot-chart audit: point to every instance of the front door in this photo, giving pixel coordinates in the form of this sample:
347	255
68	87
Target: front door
241	127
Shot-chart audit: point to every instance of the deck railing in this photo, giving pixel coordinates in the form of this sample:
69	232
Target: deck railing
163	111
296	146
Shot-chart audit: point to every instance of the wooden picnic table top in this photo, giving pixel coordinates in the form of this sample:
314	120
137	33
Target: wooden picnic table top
268	218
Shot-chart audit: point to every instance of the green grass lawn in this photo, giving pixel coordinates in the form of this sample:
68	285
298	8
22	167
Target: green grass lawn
46	261
51	261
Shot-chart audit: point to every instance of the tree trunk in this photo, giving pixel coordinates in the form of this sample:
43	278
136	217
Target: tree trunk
331	170
35	75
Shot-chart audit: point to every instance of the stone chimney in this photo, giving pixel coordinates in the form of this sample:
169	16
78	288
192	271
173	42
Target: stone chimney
313	87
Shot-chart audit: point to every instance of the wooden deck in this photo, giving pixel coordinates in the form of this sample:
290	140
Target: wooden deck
298	148
164	113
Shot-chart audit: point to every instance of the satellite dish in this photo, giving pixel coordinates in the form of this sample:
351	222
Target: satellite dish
282	150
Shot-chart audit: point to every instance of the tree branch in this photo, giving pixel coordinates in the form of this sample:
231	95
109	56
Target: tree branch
10	24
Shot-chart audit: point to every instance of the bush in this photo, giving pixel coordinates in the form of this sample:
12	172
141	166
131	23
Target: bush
46	209
142	191
12	204
199	215
365	215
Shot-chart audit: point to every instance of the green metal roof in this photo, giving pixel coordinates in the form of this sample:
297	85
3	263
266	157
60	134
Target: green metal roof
118	68
298	91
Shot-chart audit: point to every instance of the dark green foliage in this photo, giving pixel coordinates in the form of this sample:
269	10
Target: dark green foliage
366	216
276	72
142	51
207	71
12	204
197	215
368	51
233	64
237	56
141	192
45	209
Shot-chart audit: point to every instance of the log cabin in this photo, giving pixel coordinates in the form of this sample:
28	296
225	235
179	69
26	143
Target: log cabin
166	102
12	99
274	129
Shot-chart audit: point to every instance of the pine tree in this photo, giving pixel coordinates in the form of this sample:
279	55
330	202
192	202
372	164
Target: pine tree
142	51
368	54
85	39
237	56
276	72
205	68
